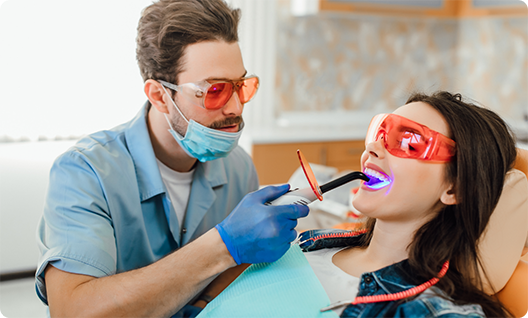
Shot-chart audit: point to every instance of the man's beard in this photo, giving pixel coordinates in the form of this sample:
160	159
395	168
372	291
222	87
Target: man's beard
179	124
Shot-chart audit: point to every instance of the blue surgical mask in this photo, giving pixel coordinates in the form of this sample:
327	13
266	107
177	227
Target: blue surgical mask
204	143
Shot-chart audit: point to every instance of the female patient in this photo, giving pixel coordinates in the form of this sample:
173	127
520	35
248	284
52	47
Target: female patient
437	167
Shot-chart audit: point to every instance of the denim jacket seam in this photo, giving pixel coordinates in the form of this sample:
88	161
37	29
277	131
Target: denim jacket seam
380	284
446	310
429	306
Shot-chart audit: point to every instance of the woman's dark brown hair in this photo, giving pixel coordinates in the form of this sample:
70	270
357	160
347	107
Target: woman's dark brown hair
167	27
485	152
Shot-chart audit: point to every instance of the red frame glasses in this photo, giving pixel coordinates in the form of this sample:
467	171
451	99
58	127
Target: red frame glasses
405	138
215	94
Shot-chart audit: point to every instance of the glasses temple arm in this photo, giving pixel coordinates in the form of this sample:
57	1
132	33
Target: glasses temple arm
169	85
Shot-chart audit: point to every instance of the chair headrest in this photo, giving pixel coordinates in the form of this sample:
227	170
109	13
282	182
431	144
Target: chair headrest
506	235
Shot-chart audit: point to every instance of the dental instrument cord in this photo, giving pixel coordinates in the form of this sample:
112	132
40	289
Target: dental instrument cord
376	298
342	180
391	297
403	294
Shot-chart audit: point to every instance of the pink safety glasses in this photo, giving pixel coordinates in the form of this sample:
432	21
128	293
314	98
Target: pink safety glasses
215	94
405	138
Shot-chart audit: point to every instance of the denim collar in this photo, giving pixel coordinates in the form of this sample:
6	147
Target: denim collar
392	279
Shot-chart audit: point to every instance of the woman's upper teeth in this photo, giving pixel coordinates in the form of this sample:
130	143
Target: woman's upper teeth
375	173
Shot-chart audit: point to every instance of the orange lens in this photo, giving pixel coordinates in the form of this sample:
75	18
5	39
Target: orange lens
247	89
218	95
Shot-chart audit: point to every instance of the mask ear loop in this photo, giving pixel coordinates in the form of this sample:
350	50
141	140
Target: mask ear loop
175	106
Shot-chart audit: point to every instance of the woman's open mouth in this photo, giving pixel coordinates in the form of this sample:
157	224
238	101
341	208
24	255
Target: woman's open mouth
377	180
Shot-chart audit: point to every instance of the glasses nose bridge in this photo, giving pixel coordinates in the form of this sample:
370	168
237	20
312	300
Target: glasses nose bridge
236	85
235	89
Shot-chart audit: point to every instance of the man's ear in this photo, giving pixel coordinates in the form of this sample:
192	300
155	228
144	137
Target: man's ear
448	197
156	95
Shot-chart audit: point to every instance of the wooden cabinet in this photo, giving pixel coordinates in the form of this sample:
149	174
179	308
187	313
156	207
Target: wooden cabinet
276	163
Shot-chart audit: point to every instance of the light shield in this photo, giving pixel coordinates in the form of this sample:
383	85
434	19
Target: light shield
308	172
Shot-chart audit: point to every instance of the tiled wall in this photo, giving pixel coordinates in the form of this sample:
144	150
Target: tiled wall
493	63
350	61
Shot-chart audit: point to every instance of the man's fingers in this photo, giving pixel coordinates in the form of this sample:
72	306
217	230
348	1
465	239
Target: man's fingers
271	193
293	211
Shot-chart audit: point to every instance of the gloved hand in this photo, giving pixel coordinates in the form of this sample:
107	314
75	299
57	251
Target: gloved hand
256	233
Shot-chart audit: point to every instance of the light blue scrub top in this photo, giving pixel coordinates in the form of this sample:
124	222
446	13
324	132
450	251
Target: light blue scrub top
107	209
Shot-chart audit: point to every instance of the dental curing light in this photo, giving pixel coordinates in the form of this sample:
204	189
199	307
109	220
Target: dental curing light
314	191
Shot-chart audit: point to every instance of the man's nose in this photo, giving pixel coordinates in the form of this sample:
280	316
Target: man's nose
233	106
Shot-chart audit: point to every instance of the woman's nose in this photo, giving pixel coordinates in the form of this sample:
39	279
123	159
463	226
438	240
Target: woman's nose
376	148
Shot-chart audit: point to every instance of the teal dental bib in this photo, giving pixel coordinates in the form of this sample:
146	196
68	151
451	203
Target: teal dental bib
285	288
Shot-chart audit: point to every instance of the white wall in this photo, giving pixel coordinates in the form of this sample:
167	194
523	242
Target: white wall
24	174
68	69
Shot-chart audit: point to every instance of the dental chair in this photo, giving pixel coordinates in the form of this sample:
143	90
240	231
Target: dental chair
504	246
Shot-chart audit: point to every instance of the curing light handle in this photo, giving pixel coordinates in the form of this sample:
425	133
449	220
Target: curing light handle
295	196
342	180
306	196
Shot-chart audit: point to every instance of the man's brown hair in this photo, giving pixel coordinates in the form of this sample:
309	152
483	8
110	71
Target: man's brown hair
167	27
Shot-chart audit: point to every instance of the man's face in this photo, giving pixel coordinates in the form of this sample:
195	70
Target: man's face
212	60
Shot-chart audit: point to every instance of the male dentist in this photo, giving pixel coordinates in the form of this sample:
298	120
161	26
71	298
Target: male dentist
139	219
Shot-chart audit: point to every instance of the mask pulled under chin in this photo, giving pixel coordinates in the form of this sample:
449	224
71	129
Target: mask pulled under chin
206	144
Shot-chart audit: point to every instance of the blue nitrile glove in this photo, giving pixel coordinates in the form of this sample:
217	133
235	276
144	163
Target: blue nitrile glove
256	233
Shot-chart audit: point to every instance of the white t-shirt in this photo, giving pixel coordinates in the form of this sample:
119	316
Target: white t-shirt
179	187
338	284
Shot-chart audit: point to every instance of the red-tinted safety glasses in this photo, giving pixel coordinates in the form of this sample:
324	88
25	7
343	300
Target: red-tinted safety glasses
215	94
405	138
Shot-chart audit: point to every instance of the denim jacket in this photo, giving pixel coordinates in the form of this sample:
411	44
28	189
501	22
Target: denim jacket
391	279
